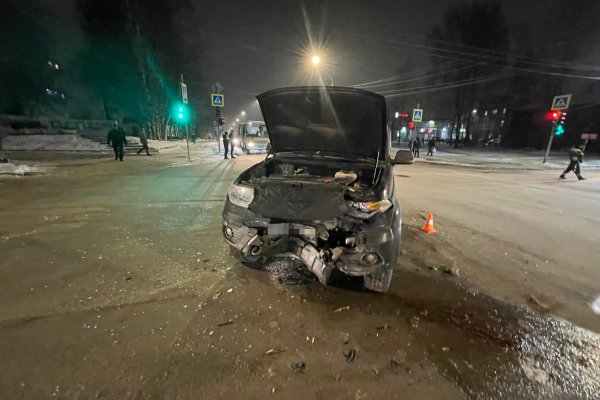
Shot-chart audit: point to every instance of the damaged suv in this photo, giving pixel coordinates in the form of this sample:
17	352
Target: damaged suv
325	192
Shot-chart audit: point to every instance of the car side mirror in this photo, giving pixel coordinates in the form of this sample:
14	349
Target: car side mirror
403	157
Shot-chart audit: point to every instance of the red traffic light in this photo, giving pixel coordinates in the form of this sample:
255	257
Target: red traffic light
411	125
553	115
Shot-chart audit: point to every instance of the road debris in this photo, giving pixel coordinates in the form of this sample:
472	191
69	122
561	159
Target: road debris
414	322
299	367
384	327
274	351
395	366
341	309
541	306
351	355
225	323
534	374
454	271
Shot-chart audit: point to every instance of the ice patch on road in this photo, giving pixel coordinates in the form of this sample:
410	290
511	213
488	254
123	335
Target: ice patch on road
596	305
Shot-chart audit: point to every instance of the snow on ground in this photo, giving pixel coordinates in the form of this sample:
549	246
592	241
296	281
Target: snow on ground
52	143
18	169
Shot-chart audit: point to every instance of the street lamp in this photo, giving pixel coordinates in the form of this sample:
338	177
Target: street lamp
243	112
316	62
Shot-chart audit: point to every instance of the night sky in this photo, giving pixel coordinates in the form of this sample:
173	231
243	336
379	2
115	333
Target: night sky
253	46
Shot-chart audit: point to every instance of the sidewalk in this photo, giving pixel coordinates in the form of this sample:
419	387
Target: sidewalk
503	158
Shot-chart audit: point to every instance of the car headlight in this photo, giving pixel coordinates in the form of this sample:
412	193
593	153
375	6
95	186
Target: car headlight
236	141
369	209
240	195
250	144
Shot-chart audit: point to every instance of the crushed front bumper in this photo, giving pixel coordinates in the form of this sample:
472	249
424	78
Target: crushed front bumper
372	248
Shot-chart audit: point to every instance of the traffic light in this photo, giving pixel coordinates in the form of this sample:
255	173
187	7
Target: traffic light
411	125
222	121
181	113
560	128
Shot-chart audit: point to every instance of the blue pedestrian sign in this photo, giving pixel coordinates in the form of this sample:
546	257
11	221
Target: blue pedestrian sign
417	115
561	102
217	100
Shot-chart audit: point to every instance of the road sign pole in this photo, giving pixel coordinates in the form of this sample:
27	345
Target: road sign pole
549	142
187	131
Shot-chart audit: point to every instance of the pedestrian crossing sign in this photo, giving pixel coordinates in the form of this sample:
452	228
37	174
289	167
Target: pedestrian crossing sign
217	100
417	115
561	102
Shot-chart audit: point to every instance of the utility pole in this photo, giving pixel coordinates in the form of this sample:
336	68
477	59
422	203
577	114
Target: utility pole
550	140
184	99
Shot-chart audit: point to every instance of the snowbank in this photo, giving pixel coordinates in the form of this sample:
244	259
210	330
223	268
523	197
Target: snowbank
11	169
52	143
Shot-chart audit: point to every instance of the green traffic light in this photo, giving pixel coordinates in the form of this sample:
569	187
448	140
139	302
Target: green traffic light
559	130
181	113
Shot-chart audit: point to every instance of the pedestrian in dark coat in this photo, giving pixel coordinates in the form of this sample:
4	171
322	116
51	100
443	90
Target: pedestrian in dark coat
576	157
143	141
416	146
430	146
226	143
116	136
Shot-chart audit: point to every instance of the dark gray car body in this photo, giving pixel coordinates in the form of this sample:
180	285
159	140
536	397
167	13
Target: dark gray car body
327	203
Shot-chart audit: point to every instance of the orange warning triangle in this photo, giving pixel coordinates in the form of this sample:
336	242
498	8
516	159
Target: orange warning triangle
428	228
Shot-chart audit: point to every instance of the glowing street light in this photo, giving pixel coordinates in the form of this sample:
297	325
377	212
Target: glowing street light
316	60
243	112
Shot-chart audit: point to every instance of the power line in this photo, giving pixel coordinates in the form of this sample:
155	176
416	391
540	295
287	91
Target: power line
425	89
426	76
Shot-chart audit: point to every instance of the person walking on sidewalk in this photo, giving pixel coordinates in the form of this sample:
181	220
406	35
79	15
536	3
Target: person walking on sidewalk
416	146
116	136
226	144
143	141
576	157
430	146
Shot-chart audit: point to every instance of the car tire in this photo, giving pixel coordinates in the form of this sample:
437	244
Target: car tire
379	282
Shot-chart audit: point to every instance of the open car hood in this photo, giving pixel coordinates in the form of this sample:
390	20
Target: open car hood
330	120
